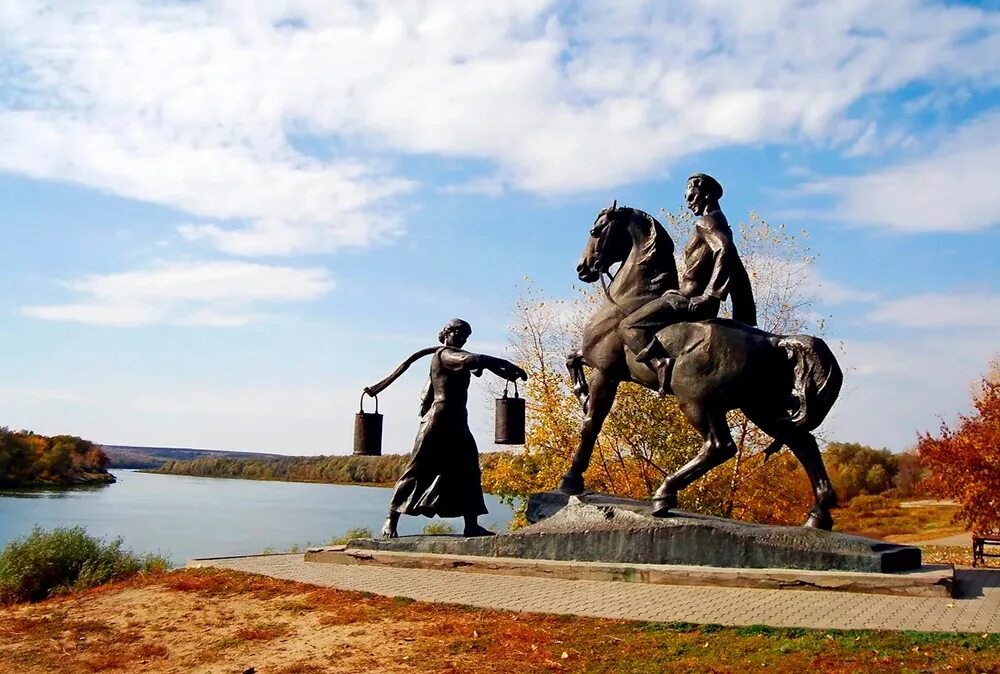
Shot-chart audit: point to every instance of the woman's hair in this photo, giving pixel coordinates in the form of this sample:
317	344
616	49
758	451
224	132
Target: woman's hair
454	325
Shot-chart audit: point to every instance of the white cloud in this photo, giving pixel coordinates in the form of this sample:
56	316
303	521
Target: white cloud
776	280
941	310
905	382
833	292
952	189
202	106
894	389
222	294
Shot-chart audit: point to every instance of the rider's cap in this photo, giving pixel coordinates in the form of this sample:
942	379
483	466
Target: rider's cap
708	182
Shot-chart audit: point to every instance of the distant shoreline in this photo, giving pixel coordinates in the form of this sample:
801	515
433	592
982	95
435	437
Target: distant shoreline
157	471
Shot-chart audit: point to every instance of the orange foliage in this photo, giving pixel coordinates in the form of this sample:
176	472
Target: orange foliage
964	464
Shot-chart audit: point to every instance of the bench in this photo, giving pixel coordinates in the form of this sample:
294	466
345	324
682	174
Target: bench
979	542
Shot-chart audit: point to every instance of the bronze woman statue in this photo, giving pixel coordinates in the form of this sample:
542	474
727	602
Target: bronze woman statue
443	476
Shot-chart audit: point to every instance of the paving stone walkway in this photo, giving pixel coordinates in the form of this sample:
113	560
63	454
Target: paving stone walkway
977	609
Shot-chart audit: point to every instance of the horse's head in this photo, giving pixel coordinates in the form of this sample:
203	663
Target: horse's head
609	243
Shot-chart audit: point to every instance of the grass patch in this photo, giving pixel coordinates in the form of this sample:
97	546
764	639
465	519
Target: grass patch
297	606
351	534
47	563
438	529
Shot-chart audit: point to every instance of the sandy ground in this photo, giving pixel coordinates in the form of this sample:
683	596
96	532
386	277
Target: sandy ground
154	629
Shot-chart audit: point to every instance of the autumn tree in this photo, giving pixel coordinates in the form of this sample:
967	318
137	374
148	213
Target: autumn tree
857	469
646	438
964	464
27	458
910	474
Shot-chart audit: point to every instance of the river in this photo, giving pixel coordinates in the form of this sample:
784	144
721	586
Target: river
184	517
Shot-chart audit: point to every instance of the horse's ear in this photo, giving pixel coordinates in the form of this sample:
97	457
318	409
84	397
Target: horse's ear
614	205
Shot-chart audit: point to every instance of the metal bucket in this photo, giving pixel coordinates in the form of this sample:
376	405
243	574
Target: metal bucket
368	431
509	424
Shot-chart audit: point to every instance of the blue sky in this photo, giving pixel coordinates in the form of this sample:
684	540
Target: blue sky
222	219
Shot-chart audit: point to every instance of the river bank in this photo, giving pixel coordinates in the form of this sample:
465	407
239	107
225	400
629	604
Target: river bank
88	479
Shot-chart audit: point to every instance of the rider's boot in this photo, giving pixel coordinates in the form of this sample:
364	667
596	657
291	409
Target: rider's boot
657	359
663	367
661	364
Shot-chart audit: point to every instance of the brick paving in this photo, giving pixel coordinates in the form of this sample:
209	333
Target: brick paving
976	610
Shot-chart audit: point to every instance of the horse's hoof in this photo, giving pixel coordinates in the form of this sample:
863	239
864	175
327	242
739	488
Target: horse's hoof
663	505
823	521
571	484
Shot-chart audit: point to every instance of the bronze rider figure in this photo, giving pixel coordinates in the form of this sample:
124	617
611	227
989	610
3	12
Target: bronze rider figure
712	271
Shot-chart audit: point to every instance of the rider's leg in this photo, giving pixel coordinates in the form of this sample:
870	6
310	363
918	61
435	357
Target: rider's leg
638	328
638	332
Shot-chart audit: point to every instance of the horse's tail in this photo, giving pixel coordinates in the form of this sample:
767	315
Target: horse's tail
816	383
574	363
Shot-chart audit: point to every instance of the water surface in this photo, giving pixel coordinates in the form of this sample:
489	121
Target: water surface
184	517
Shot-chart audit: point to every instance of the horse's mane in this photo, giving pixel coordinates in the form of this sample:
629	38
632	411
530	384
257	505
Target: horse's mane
657	252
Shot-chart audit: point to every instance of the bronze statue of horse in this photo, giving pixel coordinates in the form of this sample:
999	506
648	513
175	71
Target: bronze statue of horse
785	385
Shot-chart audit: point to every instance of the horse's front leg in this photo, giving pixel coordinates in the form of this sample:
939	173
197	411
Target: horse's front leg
602	394
574	363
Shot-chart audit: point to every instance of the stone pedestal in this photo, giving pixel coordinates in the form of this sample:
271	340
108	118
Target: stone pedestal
600	528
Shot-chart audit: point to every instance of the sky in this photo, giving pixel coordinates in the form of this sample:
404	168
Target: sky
222	219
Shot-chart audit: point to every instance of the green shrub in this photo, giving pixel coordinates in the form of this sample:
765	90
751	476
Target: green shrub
350	534
46	563
438	529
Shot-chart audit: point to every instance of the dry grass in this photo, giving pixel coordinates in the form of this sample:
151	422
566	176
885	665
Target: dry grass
218	621
885	518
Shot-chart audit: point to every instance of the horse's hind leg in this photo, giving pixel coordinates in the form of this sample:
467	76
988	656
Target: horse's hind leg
805	449
719	447
602	394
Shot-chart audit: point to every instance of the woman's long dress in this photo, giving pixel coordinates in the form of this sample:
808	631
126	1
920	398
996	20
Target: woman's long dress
443	476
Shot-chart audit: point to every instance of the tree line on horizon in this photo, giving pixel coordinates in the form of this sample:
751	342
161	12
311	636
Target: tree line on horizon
855	469
369	470
29	459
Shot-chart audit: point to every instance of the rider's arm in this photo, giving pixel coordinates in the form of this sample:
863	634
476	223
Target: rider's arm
719	242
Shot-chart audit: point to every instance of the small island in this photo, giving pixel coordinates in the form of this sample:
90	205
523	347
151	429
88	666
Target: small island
30	460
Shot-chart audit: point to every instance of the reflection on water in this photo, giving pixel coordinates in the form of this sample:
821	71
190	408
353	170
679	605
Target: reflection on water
184	517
